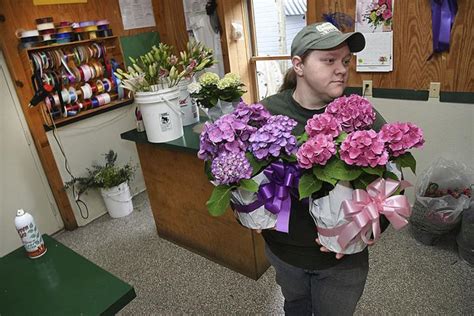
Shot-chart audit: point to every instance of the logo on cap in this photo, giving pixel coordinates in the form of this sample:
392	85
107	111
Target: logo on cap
326	28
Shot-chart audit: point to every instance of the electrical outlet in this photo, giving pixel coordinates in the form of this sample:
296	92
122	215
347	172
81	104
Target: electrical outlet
367	87
434	89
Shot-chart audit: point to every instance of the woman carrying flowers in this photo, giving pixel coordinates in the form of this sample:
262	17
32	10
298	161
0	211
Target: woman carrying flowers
312	279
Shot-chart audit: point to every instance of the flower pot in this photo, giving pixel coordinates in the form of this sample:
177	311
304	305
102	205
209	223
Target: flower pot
260	218
187	104
161	114
228	107
327	213
118	200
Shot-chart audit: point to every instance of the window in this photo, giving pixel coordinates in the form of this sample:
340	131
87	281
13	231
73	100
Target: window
274	24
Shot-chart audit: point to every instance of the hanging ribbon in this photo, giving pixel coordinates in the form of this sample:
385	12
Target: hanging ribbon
363	212
276	194
443	13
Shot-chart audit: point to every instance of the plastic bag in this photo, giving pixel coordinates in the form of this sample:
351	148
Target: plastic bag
435	211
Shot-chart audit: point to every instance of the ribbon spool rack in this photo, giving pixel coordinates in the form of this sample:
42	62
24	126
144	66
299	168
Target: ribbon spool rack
81	75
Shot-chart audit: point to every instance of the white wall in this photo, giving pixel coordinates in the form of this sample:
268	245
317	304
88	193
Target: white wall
23	183
85	142
448	130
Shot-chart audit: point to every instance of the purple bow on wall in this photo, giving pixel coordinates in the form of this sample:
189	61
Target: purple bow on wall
443	13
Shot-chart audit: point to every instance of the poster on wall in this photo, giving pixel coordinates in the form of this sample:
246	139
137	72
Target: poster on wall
44	2
374	20
137	14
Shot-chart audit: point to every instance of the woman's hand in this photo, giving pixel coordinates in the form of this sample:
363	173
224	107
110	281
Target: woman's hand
324	249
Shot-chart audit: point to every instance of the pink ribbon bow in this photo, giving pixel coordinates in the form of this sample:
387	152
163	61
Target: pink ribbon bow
363	212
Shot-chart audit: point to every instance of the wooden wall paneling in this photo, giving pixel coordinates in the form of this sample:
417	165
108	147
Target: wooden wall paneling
225	53
171	23
413	45
238	51
181	216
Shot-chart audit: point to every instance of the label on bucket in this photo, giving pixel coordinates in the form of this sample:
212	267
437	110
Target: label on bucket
165	122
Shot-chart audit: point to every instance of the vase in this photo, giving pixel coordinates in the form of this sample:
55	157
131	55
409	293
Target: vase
228	107
187	104
161	114
118	200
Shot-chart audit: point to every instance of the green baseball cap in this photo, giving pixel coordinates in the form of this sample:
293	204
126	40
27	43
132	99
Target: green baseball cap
324	35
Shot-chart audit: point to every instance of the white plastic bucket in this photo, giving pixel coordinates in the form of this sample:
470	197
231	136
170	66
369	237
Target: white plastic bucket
161	114
118	200
187	104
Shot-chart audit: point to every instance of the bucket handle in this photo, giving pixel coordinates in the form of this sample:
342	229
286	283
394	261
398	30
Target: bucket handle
173	108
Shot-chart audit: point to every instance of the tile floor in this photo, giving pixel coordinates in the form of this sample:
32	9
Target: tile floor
406	277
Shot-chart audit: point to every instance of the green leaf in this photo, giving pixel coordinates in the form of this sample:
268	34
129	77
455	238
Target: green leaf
363	181
249	185
288	158
390	175
406	160
321	174
308	185
219	200
257	165
302	138
377	170
341	137
207	170
337	169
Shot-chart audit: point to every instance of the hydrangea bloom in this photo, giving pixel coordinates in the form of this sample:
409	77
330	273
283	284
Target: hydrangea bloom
208	78
400	137
353	112
323	124
364	148
317	150
194	87
228	132
230	168
230	80
274	137
254	114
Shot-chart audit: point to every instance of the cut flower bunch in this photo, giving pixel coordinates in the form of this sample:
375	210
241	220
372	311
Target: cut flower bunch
209	89
160	68
237	147
380	13
340	150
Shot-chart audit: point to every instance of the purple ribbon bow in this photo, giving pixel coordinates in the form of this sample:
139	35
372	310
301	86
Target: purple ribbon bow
276	194
443	13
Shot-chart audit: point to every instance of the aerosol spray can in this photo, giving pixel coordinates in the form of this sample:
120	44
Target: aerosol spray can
29	234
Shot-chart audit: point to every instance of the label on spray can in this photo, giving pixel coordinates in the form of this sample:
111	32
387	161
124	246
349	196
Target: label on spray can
29	234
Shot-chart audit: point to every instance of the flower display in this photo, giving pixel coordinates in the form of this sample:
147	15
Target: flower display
240	145
353	112
160	68
340	145
380	13
316	151
229	167
325	123
210	88
273	138
230	87
363	149
400	137
343	155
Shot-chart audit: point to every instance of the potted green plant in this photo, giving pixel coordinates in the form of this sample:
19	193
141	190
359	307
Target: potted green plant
112	181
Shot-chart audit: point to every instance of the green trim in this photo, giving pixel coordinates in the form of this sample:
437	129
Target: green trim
401	94
418	95
457	97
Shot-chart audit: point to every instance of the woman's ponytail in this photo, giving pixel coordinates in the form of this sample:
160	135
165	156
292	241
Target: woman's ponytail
289	81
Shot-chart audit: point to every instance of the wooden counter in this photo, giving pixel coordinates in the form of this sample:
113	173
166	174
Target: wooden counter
178	190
